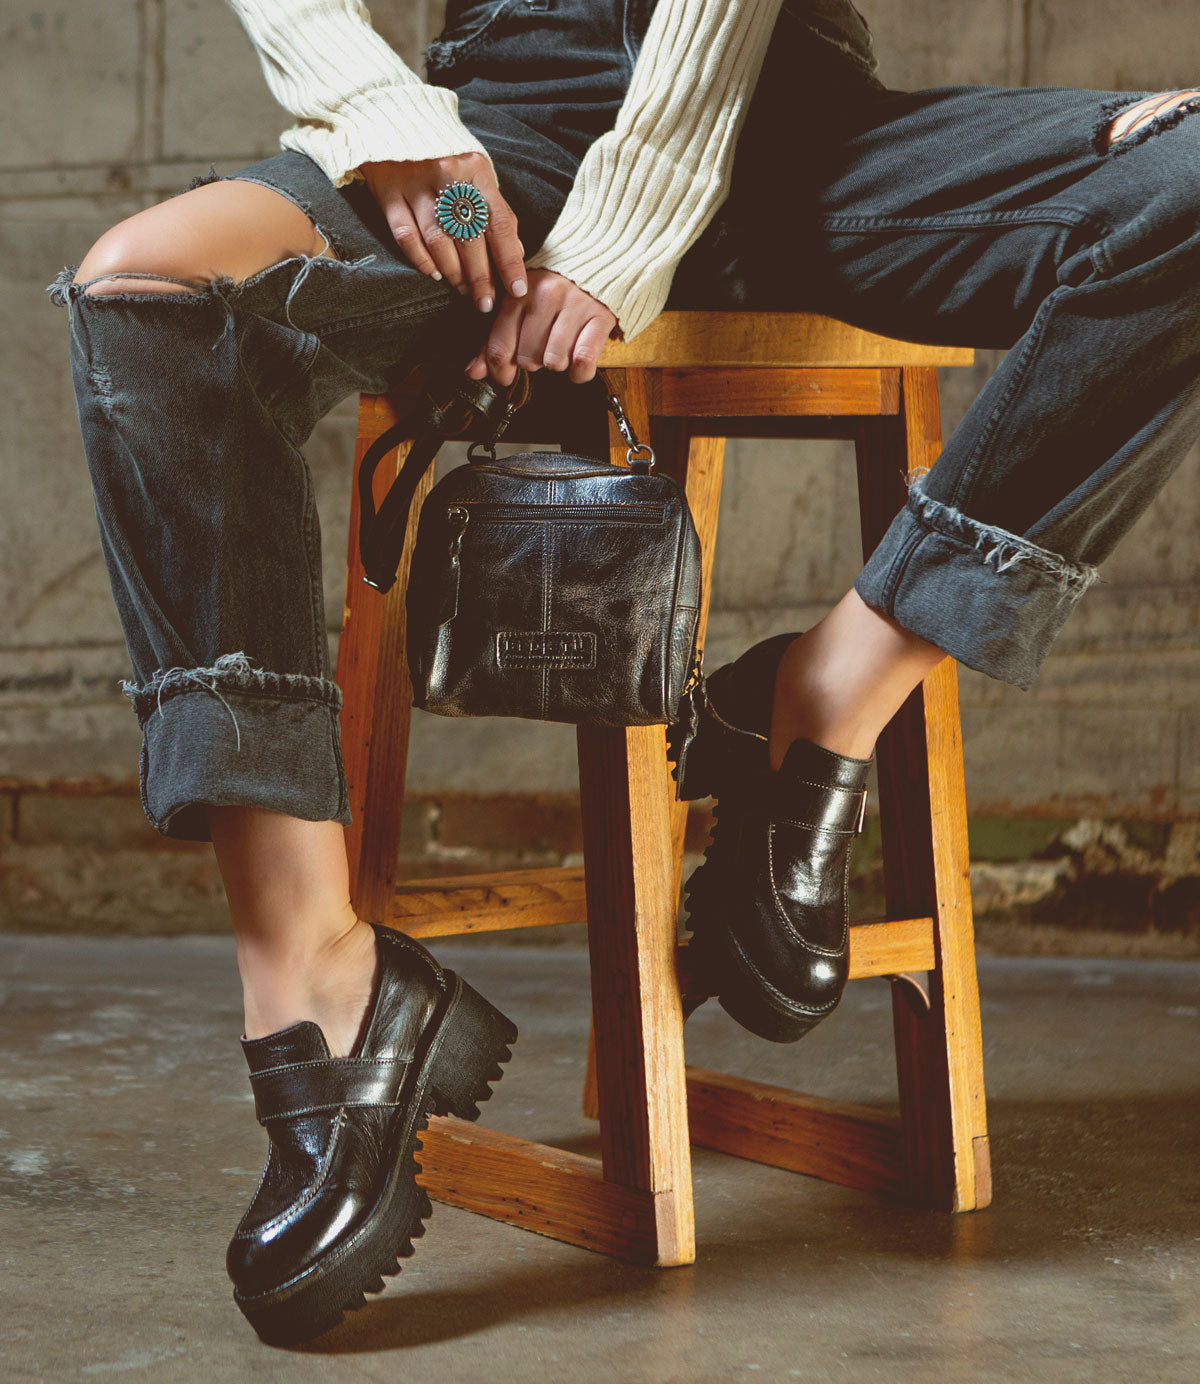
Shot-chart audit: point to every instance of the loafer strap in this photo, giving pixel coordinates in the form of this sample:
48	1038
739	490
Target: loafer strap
818	806
308	1088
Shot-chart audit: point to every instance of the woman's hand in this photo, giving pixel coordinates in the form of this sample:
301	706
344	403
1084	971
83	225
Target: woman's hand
407	191
557	325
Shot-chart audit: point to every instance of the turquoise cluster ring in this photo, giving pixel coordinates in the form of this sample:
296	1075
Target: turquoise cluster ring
461	211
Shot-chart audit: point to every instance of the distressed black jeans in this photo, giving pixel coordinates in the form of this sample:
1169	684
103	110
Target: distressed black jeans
970	215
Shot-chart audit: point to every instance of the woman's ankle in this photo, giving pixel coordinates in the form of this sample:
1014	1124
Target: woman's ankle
839	684
309	974
809	706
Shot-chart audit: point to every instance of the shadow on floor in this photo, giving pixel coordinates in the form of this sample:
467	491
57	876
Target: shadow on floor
1070	1175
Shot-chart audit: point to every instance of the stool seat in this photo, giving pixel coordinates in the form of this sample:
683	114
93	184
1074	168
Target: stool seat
689	382
743	340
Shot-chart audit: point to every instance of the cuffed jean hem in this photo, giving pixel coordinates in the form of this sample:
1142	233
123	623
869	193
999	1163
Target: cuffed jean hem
236	736
990	599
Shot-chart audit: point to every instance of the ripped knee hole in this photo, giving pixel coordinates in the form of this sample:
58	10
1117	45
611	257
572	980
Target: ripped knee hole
1155	112
136	281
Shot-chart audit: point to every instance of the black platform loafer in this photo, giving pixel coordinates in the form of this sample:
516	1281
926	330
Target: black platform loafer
768	907
338	1205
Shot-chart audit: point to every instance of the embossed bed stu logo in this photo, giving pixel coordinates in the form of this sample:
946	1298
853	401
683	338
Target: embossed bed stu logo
545	649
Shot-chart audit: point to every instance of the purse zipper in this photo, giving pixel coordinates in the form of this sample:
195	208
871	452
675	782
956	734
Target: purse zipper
484	512
459	517
695	674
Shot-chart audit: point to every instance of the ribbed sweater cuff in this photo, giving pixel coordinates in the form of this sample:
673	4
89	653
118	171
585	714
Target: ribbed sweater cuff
590	245
412	121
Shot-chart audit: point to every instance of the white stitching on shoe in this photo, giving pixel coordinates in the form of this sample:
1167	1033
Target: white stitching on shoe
305	1198
785	1000
336	1062
737	730
787	922
402	939
814	826
827	787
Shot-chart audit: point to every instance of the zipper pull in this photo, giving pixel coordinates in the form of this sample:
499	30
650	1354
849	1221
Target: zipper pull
684	731
459	517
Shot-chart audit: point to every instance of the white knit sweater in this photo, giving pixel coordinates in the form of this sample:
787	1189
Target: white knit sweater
645	190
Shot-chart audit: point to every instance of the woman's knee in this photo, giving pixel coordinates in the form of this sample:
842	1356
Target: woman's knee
131	247
1157	112
230	229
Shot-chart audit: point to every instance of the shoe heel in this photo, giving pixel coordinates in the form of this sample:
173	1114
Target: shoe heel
475	1042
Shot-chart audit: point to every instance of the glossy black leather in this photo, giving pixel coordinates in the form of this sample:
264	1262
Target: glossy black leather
769	906
570	592
326	1164
321	1084
784	862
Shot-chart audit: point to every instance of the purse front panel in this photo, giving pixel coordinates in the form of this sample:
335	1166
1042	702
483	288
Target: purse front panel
550	593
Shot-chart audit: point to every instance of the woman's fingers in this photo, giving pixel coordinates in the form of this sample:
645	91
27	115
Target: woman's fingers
558	326
498	357
440	246
505	245
463	262
475	270
585	354
408	191
560	343
474	259
536	325
577	339
402	221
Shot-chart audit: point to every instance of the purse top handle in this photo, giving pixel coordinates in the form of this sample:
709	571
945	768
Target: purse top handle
381	530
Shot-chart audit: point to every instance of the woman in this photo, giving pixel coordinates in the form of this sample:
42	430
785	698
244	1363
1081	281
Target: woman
209	334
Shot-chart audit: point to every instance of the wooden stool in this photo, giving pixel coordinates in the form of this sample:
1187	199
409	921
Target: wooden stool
689	382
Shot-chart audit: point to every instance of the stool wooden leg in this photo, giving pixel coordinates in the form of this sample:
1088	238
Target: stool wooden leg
698	464
939	1052
635	1056
637	1013
372	671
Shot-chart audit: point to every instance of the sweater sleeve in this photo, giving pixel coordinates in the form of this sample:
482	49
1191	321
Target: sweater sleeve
647	189
354	98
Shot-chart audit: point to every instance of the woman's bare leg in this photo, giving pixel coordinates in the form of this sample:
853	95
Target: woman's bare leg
302	952
841	682
228	228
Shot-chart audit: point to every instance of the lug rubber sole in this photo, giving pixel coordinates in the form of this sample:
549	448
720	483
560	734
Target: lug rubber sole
464	1053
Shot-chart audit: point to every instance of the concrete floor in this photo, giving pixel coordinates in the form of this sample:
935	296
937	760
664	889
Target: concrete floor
128	1149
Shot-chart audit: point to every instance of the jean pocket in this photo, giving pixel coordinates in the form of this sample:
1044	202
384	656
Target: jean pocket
469	25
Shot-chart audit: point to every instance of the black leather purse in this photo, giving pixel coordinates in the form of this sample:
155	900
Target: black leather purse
544	585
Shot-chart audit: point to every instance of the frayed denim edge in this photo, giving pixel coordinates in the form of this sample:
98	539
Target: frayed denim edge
1166	121
203	179
997	547
233	674
63	287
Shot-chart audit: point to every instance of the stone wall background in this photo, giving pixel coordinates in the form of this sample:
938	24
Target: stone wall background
109	108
